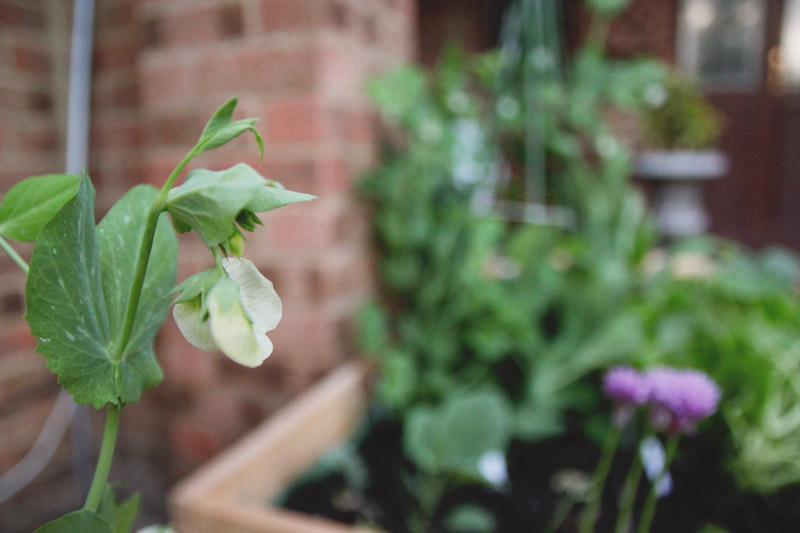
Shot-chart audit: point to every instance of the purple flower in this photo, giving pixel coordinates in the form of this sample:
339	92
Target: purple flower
626	386
680	398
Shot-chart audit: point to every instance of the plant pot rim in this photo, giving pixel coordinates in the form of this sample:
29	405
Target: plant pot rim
681	165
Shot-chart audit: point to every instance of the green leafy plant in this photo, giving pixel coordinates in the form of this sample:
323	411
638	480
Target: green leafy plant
473	305
680	118
736	315
97	294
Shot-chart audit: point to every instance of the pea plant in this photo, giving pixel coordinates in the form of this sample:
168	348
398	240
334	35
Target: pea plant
97	294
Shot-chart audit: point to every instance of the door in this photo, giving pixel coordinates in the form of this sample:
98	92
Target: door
746	56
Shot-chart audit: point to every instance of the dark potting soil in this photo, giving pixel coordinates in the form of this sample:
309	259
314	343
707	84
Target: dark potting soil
371	482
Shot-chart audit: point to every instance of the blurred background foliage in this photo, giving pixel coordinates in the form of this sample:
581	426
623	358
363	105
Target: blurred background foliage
517	259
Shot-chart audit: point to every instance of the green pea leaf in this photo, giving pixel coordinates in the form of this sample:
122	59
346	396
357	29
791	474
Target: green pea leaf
221	129
119	238
83	521
470	518
29	204
120	515
274	196
66	311
209	201
454	436
78	288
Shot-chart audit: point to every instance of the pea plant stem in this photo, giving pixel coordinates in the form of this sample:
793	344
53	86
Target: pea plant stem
104	460
142	260
159	204
14	255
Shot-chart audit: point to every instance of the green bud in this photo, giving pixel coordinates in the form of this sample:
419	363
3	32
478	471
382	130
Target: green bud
236	244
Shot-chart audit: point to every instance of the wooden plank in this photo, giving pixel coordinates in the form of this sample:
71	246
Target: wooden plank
233	491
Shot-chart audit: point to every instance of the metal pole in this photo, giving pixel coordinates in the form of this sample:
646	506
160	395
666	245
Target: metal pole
77	154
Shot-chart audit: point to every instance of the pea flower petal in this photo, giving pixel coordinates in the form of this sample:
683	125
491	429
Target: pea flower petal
257	293
189	318
234	316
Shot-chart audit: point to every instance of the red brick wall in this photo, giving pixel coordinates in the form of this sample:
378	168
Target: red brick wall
31	124
160	69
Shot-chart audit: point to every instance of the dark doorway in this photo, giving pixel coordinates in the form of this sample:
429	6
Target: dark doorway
746	55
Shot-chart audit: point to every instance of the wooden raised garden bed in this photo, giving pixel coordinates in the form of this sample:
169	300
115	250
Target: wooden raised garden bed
234	492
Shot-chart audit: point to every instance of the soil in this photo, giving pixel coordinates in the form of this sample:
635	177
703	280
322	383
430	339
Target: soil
703	493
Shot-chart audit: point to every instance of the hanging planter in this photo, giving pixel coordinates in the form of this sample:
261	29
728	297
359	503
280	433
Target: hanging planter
233	493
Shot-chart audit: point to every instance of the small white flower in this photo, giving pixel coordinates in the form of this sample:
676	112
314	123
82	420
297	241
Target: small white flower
234	316
654	460
492	466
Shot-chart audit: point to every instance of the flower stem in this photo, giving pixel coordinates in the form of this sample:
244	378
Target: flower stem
589	515
159	204
138	280
177	170
104	461
649	509
142	260
14	255
628	498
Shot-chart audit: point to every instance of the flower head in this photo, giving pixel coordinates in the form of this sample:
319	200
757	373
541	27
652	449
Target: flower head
681	398
626	385
234	315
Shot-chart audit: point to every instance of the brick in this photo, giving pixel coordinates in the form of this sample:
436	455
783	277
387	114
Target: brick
306	338
356	125
174	129
113	16
122	94
165	82
230	21
189	366
115	135
15	15
343	71
370	29
333	175
292	281
19	429
39	140
191	26
30	60
345	275
193	444
301	226
294	120
12	303
183	363
289	15
17	337
112	55
297	175
40	101
288	379
257	69
20	372
339	14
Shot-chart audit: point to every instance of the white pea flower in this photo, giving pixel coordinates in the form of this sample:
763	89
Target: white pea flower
234	316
